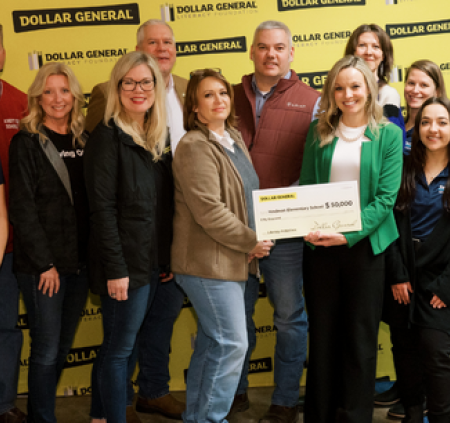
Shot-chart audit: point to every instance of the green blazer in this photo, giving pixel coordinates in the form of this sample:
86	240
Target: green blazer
381	172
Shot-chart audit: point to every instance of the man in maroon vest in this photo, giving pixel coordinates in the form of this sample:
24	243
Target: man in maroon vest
275	110
13	107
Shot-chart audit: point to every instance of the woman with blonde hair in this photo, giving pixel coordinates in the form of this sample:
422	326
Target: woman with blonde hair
124	185
344	272
49	214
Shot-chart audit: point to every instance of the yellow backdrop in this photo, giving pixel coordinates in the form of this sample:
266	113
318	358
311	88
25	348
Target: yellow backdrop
90	37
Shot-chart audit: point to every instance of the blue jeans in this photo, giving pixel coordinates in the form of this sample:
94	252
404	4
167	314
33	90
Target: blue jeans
220	347
154	340
110	373
283	276
10	335
53	322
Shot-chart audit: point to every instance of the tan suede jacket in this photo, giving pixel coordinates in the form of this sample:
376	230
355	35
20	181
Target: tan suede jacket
211	233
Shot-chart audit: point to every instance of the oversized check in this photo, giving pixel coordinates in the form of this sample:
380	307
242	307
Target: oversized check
296	211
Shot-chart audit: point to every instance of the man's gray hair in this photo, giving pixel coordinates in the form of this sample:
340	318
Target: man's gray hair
151	22
273	25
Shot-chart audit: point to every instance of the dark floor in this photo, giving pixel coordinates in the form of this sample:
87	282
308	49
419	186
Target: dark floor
76	409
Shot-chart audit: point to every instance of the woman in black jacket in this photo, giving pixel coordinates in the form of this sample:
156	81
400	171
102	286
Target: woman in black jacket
49	214
123	183
418	269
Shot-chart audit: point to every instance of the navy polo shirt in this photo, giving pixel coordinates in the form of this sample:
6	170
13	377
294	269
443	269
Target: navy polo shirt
427	208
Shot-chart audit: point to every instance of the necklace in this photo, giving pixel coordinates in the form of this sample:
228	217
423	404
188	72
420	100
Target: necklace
350	139
430	177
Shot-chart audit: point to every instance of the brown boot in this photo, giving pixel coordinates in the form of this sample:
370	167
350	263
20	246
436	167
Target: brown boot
132	417
13	416
167	405
240	404
280	414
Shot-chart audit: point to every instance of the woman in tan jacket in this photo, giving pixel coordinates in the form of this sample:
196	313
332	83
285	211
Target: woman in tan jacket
214	241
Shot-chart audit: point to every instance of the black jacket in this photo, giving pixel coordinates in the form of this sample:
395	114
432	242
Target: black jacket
428	271
123	182
41	207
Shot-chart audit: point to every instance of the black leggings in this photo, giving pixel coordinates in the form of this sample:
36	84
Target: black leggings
422	362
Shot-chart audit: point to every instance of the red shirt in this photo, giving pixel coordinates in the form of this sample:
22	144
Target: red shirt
13	107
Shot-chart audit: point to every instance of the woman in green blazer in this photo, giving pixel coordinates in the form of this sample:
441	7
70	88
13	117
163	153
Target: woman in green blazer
418	269
344	273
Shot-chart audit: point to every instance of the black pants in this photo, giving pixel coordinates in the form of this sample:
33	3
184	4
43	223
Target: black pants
344	295
422	359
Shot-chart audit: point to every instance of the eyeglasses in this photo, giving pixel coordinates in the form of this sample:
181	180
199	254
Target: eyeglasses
201	72
130	84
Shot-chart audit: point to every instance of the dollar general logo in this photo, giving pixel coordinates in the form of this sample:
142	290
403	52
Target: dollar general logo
314	79
77	391
266	331
286	5
169	12
81	356
262	365
262	290
397	74
35	60
22	321
390	2
418	28
33	20
89	57
223	45
91	314
445	67
186	302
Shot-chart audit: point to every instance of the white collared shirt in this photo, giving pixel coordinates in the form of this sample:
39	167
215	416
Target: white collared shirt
174	111
225	141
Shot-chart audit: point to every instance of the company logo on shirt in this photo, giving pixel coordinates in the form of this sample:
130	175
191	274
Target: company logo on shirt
286	5
72	154
33	20
223	45
170	13
11	123
441	189
418	28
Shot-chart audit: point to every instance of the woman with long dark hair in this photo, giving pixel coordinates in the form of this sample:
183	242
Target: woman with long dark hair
418	269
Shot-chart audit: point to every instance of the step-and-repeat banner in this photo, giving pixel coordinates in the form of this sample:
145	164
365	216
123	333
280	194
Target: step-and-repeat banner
91	35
